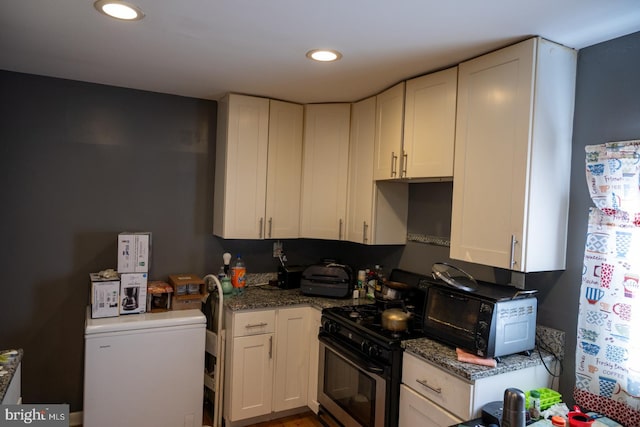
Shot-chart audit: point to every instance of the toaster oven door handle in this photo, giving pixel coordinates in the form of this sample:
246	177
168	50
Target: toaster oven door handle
430	387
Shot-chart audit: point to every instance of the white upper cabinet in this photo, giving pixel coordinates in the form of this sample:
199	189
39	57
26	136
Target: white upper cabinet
241	167
388	133
513	149
376	212
415	128
258	168
325	170
429	125
284	171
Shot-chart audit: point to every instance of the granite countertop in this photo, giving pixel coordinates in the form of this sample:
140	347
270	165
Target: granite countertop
8	369
446	358
267	296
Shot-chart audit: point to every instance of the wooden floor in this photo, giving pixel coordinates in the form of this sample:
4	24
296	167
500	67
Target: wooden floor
305	419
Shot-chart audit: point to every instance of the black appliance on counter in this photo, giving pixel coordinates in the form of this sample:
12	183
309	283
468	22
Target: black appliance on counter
361	362
289	276
328	279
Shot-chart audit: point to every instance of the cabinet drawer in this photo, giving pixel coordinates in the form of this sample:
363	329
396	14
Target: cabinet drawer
446	390
254	323
416	410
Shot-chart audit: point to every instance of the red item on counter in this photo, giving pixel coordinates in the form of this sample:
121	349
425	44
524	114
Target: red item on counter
463	356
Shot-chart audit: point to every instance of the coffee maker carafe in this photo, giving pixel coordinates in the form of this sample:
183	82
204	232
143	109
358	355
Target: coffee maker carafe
130	300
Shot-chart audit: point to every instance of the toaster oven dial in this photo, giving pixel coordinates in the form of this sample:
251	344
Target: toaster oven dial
481	343
483	326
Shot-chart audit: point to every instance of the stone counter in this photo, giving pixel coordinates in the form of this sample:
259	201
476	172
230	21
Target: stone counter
446	358
8	369
267	296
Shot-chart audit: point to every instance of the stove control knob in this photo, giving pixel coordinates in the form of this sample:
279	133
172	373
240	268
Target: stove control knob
330	326
374	350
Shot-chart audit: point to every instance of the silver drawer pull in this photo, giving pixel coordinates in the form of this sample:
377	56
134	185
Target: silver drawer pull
255	325
424	383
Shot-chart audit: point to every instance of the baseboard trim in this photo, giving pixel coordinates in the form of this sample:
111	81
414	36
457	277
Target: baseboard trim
75	419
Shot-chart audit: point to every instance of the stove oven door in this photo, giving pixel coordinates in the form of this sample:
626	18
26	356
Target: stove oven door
350	387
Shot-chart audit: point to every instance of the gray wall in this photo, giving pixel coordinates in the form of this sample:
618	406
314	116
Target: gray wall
82	162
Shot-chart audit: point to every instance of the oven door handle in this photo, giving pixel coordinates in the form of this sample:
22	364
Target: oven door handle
353	357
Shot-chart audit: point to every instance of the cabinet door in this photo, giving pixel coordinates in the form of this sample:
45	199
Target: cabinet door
251	377
491	159
241	167
416	410
284	171
388	138
429	125
324	171
292	359
361	183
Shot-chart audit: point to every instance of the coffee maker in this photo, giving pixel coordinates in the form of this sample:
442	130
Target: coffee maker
130	300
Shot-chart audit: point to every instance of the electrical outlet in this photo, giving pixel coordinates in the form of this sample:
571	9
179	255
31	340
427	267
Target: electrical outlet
277	249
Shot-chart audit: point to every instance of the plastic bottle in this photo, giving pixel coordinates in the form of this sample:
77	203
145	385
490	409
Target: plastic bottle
362	283
238	278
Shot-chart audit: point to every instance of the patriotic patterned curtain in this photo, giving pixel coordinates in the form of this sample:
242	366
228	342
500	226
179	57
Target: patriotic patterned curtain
608	347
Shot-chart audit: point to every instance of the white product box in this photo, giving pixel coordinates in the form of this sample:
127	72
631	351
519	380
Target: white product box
133	293
134	252
105	296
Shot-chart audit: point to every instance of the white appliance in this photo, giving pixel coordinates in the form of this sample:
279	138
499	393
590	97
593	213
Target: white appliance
144	370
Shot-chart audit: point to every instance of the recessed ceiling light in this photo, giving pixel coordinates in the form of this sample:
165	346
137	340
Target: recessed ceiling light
119	10
324	55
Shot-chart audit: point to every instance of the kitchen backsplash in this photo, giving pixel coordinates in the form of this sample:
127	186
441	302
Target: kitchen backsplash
551	339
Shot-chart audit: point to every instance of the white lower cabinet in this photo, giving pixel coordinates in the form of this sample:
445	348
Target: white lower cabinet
267	362
433	397
292	358
416	410
248	383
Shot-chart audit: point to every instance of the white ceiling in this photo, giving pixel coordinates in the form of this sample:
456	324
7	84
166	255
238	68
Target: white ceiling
205	48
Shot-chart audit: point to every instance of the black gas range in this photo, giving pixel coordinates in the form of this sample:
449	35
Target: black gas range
361	362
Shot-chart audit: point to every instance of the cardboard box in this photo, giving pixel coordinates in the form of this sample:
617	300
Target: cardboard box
188	291
133	293
159	295
134	252
105	296
190	285
186	302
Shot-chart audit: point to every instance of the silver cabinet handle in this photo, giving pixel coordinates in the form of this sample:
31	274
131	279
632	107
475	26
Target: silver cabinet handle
261	224
270	226
424	383
340	229
405	160
514	241
255	325
394	160
364	231
270	346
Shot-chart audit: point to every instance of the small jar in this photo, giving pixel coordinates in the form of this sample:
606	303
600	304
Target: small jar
534	404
